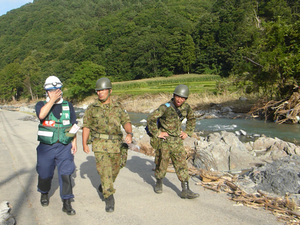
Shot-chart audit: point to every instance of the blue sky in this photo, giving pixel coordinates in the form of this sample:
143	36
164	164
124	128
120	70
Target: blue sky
7	5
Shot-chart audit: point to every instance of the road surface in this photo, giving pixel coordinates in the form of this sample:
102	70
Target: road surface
136	202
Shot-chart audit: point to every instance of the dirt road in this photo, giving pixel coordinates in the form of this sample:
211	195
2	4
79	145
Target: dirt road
136	202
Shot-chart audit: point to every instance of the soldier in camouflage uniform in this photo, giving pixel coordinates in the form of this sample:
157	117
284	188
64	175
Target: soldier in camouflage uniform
167	139
102	124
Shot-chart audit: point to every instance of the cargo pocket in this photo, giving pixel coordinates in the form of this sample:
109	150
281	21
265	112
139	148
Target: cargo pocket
47	135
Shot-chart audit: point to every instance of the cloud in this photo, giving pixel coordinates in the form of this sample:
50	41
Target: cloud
7	5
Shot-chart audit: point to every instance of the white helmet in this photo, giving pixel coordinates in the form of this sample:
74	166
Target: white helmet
52	82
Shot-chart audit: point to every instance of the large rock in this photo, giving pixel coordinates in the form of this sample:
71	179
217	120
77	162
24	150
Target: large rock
26	109
279	177
274	147
223	151
228	152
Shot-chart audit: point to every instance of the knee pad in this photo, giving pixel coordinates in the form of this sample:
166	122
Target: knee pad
66	185
44	184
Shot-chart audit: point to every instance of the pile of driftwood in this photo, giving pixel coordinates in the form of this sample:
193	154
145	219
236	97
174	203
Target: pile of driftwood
284	208
283	111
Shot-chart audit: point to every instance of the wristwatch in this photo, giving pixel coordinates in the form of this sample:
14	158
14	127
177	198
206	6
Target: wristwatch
131	134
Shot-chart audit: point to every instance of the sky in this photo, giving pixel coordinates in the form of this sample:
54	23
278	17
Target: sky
7	5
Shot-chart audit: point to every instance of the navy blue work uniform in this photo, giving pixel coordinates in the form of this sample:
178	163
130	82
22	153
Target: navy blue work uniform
57	154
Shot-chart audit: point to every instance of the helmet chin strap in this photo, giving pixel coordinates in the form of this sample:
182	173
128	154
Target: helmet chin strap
106	97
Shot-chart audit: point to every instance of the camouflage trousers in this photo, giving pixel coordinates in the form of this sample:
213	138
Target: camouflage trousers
174	150
108	167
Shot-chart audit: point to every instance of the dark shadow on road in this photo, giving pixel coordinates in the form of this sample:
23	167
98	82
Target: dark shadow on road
10	178
54	184
144	168
26	192
22	198
88	170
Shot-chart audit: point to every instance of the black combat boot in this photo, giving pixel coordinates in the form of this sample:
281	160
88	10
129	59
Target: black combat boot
158	186
109	203
67	207
186	192
44	199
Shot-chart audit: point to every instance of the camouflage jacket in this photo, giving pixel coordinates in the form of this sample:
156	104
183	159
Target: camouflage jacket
169	120
105	119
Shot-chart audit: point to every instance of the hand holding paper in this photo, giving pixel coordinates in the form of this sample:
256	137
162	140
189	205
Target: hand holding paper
74	129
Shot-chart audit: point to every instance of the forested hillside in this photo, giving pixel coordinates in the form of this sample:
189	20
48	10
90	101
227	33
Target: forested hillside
81	40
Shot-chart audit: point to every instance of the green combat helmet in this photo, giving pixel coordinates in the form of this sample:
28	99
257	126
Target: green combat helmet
182	91
103	83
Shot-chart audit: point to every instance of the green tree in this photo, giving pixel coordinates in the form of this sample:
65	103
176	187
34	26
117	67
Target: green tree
273	63
221	33
139	39
82	84
270	10
11	85
32	77
188	56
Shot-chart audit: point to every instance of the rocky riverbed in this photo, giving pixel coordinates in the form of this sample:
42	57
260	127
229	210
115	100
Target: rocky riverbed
271	164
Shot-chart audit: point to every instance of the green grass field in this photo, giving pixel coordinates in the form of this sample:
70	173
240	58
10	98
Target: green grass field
196	84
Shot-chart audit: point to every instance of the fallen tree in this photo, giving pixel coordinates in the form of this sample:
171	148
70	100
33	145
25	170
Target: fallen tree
284	208
284	111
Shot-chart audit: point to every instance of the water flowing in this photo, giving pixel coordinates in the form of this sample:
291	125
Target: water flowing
285	132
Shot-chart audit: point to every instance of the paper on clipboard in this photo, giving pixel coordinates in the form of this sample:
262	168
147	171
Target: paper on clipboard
74	129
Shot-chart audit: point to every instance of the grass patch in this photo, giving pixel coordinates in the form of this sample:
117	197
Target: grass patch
196	84
148	94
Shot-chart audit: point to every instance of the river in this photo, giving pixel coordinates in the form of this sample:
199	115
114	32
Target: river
286	132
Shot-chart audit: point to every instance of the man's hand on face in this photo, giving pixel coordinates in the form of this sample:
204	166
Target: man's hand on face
55	94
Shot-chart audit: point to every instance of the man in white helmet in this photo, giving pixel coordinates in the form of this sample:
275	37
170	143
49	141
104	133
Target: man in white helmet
57	143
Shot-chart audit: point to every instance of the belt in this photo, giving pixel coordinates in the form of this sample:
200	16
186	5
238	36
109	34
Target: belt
170	138
108	136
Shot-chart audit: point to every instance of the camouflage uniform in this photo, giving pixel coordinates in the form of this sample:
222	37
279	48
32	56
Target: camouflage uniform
106	119
172	147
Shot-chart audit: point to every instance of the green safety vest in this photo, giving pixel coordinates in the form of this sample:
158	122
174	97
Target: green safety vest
59	131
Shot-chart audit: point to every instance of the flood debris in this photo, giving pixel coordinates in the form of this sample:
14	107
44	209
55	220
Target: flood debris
285	208
284	111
